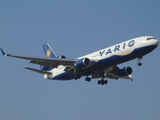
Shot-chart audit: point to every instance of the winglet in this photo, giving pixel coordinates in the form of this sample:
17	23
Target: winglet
3	52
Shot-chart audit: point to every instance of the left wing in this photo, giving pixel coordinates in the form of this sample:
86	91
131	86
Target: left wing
50	62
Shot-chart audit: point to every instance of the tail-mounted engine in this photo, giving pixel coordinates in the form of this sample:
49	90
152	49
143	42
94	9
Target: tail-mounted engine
47	68
62	57
125	71
82	63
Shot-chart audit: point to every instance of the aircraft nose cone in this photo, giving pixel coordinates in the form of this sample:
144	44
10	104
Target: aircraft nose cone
156	42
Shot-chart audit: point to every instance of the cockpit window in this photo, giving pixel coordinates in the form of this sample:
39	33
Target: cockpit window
150	38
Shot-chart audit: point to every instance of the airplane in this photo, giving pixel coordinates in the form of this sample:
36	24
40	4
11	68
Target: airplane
100	64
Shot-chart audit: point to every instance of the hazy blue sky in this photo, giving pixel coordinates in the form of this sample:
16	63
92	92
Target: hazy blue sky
74	28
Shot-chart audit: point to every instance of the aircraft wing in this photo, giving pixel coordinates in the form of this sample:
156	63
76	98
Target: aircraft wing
50	62
112	73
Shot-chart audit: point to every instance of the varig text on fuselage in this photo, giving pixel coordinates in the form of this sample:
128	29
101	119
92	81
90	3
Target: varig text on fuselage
117	48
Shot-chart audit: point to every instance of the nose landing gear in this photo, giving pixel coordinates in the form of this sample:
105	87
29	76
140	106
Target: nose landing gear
139	63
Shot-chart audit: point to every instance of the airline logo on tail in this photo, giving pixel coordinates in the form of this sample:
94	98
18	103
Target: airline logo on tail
48	53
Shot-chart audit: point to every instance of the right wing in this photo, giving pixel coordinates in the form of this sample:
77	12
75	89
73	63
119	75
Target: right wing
112	73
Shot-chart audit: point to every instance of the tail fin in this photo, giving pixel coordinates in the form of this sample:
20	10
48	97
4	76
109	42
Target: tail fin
48	51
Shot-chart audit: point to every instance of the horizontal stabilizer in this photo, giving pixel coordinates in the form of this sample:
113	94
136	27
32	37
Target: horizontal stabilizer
36	70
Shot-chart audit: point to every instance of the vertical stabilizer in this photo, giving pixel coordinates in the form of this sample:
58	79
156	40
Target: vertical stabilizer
48	51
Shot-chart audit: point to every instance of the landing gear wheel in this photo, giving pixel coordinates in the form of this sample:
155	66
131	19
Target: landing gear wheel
105	82
139	64
139	59
102	82
88	79
99	82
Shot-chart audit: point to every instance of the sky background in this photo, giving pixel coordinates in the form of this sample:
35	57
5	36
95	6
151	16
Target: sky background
74	28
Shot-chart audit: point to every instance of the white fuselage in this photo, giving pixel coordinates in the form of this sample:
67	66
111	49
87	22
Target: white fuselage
133	48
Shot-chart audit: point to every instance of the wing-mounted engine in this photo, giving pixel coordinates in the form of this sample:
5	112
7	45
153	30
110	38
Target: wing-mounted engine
82	63
61	57
125	71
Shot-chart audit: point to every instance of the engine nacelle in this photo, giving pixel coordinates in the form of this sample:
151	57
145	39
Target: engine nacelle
61	57
45	68
82	63
125	71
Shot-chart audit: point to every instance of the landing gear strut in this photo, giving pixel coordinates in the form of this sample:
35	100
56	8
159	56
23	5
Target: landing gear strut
139	63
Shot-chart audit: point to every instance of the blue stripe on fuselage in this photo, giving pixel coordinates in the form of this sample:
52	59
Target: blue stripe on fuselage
63	76
115	60
108	62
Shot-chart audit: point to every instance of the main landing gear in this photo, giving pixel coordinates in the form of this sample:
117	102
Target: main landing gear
88	79
102	82
139	63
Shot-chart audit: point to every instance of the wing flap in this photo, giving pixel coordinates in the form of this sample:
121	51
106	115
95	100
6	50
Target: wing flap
70	70
45	63
112	76
108	75
129	77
